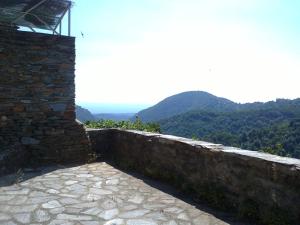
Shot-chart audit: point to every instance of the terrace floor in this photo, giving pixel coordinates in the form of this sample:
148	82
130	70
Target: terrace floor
94	194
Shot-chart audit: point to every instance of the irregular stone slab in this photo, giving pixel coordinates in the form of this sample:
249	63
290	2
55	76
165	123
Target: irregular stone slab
57	210
72	210
109	204
112	188
8	223
70	182
18	200
23	191
51	176
52	191
38	200
129	207
39	186
90	223
133	213
38	194
172	222
193	212
183	216
69	201
98	184
91	197
76	187
96	178
109	214
68	174
21	208
73	217
174	210
156	216
51	205
168	201
13	187
4	198
115	222
137	199
202	220
85	175
93	211
141	222
68	195
154	206
4	216
22	218
100	191
41	216
53	185
84	205
61	222
112	182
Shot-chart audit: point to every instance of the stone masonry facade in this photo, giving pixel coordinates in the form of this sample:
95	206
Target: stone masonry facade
37	106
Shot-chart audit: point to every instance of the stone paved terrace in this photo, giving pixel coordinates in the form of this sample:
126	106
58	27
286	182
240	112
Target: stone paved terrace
92	194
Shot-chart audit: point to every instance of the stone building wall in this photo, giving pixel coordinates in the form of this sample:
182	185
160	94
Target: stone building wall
37	108
260	187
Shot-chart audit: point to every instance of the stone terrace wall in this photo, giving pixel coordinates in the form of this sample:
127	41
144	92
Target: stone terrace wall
37	109
258	186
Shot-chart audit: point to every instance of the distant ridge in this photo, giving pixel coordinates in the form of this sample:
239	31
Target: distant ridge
203	101
184	102
83	114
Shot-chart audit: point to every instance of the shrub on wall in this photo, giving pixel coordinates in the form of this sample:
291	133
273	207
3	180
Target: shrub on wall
128	125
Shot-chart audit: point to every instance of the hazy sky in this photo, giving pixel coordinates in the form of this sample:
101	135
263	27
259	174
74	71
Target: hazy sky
141	51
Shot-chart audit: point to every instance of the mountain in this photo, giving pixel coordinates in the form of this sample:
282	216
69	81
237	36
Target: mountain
184	102
273	127
83	114
114	116
203	101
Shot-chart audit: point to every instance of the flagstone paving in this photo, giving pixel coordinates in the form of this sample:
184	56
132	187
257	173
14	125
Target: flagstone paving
92	194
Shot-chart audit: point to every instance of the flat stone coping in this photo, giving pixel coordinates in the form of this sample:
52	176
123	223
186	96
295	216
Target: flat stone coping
217	147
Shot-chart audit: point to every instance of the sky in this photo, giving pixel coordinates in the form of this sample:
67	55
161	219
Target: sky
142	51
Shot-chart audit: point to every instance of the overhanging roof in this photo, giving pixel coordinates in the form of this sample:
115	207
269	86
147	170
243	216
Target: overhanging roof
41	14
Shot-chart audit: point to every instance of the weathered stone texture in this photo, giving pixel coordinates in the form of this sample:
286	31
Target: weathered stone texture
95	194
255	185
37	91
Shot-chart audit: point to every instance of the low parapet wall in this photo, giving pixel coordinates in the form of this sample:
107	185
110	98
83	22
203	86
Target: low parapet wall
258	186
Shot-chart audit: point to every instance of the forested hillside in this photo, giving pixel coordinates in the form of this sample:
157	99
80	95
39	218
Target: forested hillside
184	102
203	101
274	129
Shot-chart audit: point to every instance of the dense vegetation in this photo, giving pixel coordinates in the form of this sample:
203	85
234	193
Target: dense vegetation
276	131
135	125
